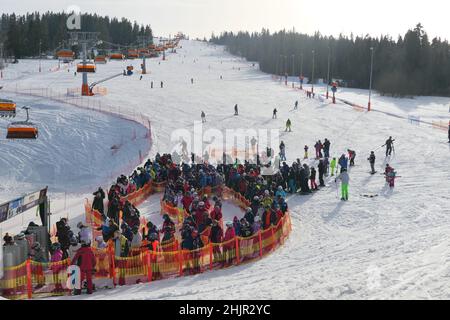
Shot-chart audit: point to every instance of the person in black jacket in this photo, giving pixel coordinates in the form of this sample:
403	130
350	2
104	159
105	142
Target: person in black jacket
249	216
197	244
372	162
97	204
326	148
113	209
322	170
64	234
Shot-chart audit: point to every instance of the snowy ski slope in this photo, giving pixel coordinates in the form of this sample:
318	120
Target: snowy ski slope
392	246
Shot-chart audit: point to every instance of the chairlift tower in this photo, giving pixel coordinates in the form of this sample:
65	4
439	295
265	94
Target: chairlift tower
84	39
144	40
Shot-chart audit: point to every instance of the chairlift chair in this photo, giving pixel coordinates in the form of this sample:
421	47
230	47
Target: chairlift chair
22	129
7	108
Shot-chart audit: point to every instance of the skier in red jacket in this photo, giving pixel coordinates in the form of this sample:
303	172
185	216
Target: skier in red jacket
85	260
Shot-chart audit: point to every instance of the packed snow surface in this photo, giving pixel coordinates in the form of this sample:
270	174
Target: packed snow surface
393	246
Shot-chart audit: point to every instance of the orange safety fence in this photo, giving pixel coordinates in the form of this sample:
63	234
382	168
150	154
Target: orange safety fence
37	280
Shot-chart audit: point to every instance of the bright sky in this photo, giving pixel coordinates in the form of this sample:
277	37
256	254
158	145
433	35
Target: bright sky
198	18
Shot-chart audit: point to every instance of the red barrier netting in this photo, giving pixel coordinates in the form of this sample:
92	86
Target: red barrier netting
32	279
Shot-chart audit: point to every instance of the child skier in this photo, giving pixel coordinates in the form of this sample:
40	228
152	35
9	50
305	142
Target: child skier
351	156
333	166
390	175
306	152
345	179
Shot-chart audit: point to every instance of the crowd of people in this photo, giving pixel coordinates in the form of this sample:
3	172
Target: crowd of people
185	186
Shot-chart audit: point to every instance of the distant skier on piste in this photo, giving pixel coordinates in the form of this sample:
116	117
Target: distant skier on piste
282	151
288	125
389	146
390	175
351	157
296	105
371	160
274	116
203	115
236	110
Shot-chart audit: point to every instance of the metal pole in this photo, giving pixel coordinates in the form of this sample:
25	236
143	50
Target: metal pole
293	69
276	70
328	74
40	68
85	85
301	71
370	83
312	79
285	69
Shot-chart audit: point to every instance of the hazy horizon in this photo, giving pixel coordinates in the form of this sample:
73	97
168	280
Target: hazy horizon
201	18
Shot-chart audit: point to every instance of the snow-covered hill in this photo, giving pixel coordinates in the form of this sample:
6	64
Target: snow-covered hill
391	246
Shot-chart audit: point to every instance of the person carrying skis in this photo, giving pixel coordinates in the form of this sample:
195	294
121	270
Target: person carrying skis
288	125
203	115
282	151
236	111
351	156
389	146
333	166
345	179
371	160
274	116
306	152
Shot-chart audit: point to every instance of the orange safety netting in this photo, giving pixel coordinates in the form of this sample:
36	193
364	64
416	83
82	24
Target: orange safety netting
32	279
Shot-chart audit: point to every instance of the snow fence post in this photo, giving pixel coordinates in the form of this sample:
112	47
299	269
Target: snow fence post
260	244
180	258
149	266
237	249
273	237
113	267
29	284
210	256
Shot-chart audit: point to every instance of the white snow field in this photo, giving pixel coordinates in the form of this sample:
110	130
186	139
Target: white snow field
394	246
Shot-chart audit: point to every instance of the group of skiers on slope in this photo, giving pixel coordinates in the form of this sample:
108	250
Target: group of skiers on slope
344	162
161	84
274	115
